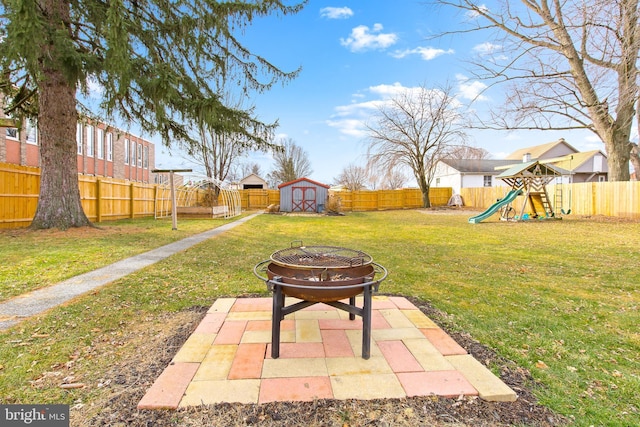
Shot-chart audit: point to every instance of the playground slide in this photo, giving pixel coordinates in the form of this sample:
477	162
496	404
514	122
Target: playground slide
510	197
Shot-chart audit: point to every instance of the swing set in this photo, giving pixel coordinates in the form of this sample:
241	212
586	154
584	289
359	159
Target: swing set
530	180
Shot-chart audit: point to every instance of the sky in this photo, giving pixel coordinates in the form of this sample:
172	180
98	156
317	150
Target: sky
354	54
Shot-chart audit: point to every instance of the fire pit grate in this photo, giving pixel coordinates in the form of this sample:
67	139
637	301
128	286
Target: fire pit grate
320	257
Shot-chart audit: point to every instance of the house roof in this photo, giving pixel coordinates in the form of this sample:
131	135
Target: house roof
295	181
538	151
571	162
484	166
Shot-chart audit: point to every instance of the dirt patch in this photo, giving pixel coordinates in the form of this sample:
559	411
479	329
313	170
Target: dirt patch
127	382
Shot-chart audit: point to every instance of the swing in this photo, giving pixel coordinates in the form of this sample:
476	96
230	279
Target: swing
570	194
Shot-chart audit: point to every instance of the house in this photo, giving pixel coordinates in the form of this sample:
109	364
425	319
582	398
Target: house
252	181
464	173
102	150
587	166
303	195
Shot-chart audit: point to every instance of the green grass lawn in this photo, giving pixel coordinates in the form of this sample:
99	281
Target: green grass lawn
559	298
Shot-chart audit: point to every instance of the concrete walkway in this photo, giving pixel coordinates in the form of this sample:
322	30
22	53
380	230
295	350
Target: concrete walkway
19	308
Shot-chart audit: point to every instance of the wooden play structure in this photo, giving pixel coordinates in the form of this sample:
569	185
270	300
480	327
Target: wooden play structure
530	179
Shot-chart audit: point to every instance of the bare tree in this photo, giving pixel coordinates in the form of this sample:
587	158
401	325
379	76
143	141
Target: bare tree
414	129
467	152
393	180
567	65
353	177
291	163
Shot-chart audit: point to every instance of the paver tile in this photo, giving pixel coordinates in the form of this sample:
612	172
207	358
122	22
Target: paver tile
256	337
167	390
295	389
428	355
340	323
195	348
231	332
357	366
355	339
439	383
396	318
396	334
402	303
336	343
249	315
217	363
290	368
376	386
317	314
248	361
299	350
489	386
210	324
443	342
211	392
399	357
222	305
252	304
307	330
419	319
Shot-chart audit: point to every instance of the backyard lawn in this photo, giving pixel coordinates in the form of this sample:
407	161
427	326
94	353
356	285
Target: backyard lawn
558	298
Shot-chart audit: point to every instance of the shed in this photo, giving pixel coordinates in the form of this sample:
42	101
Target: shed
303	195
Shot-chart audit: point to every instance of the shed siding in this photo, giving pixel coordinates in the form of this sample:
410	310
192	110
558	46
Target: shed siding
294	196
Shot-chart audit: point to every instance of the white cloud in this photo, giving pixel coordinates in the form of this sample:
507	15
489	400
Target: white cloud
427	53
336	12
487	48
471	90
363	38
473	14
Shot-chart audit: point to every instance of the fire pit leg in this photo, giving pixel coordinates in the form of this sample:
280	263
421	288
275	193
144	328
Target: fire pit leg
352	303
366	323
276	318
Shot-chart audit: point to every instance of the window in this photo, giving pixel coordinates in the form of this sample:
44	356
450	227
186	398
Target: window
79	137
90	144
132	156
127	145
145	158
602	178
12	133
487	180
139	155
32	132
100	144
437	182
110	146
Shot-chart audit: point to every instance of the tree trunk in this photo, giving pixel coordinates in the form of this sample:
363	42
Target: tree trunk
424	188
59	203
618	156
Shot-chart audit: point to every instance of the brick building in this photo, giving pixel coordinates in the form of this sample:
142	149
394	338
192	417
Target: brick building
102	150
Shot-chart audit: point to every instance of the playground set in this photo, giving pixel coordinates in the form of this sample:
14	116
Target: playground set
529	179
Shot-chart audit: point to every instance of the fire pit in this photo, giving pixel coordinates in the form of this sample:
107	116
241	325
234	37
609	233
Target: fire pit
321	274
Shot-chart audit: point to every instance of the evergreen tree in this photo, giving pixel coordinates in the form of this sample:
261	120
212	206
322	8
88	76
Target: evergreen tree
156	62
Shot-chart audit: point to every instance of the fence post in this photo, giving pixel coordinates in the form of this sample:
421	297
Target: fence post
98	200
131	202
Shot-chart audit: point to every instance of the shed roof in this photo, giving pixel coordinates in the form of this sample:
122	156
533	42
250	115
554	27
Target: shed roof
529	169
295	181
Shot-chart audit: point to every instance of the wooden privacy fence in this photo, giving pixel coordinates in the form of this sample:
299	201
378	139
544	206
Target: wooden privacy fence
406	198
620	199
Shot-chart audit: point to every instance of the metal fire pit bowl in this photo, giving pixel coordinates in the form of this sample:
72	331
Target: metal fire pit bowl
305	257
326	284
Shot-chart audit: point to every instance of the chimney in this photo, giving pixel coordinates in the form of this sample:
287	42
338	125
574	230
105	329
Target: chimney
526	158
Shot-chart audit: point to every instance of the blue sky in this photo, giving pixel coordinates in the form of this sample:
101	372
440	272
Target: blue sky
356	53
